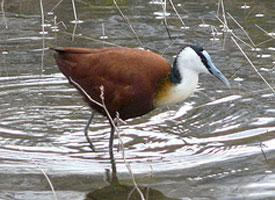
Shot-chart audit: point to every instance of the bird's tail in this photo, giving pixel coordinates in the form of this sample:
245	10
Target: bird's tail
69	59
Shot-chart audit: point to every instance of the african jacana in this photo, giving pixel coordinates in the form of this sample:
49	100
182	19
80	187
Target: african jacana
135	81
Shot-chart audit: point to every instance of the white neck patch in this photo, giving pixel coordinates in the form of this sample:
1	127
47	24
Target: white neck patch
189	59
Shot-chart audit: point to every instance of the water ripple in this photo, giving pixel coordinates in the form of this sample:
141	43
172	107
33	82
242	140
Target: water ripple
144	141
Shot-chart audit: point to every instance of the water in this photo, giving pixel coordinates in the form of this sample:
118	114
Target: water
218	144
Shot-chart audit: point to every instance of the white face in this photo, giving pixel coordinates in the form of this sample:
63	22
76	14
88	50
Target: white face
199	61
189	59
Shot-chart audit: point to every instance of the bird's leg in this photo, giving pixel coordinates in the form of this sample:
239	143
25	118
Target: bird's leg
86	132
111	153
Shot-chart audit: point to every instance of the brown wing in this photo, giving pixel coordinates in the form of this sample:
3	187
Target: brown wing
130	76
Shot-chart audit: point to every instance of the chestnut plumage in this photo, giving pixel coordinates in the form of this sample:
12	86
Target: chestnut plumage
130	77
135	81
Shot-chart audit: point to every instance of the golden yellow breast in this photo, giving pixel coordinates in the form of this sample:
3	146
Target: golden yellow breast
163	92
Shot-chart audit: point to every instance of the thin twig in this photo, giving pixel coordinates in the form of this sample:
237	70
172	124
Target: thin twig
218	9
272	37
242	28
43	33
4	14
264	31
131	193
177	13
147	193
42	17
223	15
92	39
128	22
127	164
234	35
169	46
62	23
164	6
56	5
76	21
84	92
252	65
103	36
224	22
48	180
56	24
74	10
261	146
74	31
245	43
263	42
44	173
102	105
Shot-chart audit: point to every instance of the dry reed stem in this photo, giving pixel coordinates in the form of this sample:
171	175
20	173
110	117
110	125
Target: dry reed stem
218	9
4	14
264	31
177	13
263	42
245	43
213	31
76	20
42	16
44	174
262	150
271	39
43	32
247	35
222	10
223	14
102	105
170	45
242	28
224	22
131	193
92	39
60	22
164	7
74	10
252	65
127	164
48	180
128	23
74	31
103	29
56	5
85	93
103	37
234	35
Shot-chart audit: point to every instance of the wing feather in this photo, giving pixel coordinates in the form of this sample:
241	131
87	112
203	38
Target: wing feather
130	77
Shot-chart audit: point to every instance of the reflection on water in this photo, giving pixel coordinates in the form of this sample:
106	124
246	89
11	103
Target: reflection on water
123	192
209	146
117	191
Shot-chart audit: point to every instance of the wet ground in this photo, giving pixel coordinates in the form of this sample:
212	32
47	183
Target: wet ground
218	144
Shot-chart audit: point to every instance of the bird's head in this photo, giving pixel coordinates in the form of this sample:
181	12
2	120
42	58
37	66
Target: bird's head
196	59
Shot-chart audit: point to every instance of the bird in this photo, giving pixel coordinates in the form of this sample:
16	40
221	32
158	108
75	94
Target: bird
135	81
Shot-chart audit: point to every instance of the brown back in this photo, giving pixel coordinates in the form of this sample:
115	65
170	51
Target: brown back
130	76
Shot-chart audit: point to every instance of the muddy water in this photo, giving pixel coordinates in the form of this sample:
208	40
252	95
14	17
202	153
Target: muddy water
218	144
